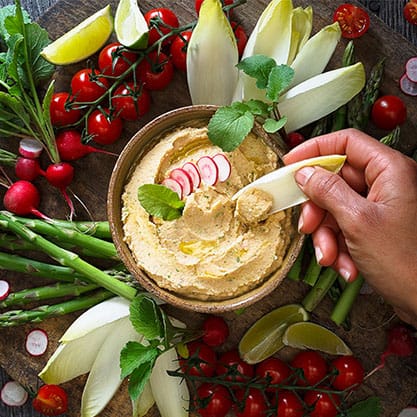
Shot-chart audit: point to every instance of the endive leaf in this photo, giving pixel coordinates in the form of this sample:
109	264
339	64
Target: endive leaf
316	53
302	24
320	95
144	402
212	57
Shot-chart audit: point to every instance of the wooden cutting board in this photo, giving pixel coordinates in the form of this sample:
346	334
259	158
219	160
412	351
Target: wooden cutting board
395	385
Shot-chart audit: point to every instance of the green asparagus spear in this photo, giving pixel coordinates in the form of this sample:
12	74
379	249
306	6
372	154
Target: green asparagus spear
392	138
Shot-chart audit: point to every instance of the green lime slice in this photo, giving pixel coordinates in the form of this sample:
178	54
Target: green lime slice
264	337
316	337
130	25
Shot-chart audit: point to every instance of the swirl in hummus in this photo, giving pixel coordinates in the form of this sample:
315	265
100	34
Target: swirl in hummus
218	248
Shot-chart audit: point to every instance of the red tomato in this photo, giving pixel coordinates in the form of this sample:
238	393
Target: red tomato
324	405
216	331
51	400
388	112
61	112
294	139
87	85
250	404
236	369
350	372
114	59
202	360
313	366
216	399
241	37
155	71
410	12
179	50
131	102
289	405
160	21
273	369
198	4
353	20
103	127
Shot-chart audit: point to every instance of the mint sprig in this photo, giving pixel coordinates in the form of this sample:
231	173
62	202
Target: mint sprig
229	126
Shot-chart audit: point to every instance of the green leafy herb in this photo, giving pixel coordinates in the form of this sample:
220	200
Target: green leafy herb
160	201
371	407
229	126
151	328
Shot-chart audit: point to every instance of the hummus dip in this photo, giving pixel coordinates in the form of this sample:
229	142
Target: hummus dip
218	248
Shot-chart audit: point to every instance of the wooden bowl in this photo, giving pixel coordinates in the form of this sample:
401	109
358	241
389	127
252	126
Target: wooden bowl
136	148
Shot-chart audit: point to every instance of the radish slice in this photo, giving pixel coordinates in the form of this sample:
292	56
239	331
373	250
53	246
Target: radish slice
407	86
36	342
208	170
30	148
411	69
13	394
408	412
223	165
192	171
173	185
4	289
182	177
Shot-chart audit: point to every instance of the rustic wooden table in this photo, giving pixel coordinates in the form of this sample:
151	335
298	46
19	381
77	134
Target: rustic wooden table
389	11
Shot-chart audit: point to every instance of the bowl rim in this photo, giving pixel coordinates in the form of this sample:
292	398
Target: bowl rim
118	179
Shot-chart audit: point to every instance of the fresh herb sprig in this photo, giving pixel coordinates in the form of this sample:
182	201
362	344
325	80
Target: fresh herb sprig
231	124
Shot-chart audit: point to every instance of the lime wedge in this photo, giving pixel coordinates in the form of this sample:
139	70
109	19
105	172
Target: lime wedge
313	336
264	337
81	41
130	25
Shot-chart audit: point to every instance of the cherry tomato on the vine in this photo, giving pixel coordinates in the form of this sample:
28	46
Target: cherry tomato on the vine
87	85
179	50
216	331
61	112
388	112
410	12
273	369
216	398
131	101
313	366
324	404
202	360
103	127
114	59
350	372
51	400
294	139
156	71
353	20
250	403
289	405
231	364
241	37
161	21
198	4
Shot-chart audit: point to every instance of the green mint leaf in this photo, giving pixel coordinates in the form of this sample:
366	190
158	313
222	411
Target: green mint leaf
272	125
5	12
134	355
258	107
229	126
146	317
138	379
280	78
258	67
371	407
160	201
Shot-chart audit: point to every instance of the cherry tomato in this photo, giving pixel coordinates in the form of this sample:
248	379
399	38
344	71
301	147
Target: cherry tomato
103	127
313	366
323	404
87	85
294	139
179	50
250	404
350	372
155	71
410	12
388	112
61	112
131	101
51	400
241	37
216	331
161	21
198	4
216	399
353	20
289	405
202	360
114	59
273	369
234	367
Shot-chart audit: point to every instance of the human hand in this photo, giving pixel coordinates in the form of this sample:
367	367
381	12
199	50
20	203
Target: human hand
365	218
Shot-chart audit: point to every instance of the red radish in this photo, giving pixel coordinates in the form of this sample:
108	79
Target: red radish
407	86
408	412
71	148
411	69
182	177
36	342
13	394
30	148
223	165
27	169
22	198
173	185
208	170
192	171
4	289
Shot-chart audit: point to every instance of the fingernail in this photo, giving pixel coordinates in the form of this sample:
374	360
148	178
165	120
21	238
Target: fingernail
303	175
319	254
300	223
345	274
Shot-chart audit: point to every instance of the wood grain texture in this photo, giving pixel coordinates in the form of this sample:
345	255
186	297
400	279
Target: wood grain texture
396	383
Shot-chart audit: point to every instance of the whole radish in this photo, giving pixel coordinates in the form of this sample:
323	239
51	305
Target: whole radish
27	168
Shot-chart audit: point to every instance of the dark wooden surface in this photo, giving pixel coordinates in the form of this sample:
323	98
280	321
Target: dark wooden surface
395	39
